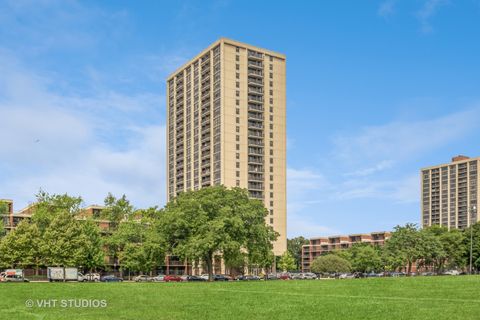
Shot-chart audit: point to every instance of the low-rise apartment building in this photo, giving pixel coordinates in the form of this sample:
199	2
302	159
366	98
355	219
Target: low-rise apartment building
322	245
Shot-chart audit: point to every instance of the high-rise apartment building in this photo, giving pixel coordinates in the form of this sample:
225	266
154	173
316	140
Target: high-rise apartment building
226	114
450	193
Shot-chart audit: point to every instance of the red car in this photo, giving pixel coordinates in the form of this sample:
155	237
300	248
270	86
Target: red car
172	278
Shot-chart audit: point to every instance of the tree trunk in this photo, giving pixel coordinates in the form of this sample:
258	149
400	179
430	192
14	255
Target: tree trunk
210	267
409	268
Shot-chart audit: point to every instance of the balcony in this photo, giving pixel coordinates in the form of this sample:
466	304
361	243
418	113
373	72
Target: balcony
255	64
255	108
255	55
255	81
255	73
255	116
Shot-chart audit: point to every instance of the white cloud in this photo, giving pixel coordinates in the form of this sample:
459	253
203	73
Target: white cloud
387	8
382	165
86	146
397	141
426	13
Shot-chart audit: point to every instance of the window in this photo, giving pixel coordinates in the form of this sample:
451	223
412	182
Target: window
271	83
237	49
237	102
237	66
238	93
238	147
237	58
237	183
238	84
271	92
238	156
271	109
271	177
271	194
237	110
271	67
271	203
271	212
238	138
238	165
238	120
271	75
238	75
271	143
238	129
271	220
271	118
271	59
271	100
271	169
238	174
271	186
271	126
271	161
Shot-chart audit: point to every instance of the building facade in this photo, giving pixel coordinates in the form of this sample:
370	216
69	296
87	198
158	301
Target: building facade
226	125
322	245
450	193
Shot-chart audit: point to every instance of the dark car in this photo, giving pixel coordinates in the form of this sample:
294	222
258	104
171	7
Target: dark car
248	278
195	278
172	278
220	277
110	278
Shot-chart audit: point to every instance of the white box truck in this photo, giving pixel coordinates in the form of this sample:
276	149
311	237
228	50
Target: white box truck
64	274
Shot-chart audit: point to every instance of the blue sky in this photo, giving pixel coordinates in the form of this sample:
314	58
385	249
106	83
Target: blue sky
375	91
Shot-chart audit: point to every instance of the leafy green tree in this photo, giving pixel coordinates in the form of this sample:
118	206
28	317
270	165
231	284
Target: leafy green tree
138	242
21	247
294	246
402	249
92	253
365	258
475	247
3	215
216	220
453	243
287	262
116	210
330	263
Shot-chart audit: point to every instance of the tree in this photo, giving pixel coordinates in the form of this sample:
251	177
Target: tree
3	215
216	220
294	246
287	262
138	241
365	258
402	249
475	247
92	254
21	247
330	263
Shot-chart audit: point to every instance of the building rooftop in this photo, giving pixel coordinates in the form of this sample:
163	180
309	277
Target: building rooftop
229	41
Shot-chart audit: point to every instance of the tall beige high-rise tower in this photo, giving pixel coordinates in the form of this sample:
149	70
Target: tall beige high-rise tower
227	125
450	193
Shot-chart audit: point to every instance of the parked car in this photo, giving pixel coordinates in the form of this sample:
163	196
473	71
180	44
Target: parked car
427	274
204	276
172	278
284	276
220	277
143	278
196	278
159	278
398	274
13	275
248	278
309	276
296	276
272	276
110	278
14	278
452	273
92	277
346	276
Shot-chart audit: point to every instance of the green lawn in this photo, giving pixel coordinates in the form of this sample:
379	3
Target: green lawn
388	298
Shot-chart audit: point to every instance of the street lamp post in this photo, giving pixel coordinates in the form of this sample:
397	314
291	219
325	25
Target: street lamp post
472	210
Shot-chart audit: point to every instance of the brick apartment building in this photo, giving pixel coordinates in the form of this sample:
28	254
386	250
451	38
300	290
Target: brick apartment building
321	245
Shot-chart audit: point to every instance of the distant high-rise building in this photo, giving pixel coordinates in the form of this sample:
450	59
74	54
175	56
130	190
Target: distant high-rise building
450	193
226	123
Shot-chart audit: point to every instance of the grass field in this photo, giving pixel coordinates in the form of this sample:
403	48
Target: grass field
381	298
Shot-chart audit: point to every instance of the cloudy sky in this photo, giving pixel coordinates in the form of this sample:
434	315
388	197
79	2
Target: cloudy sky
375	91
